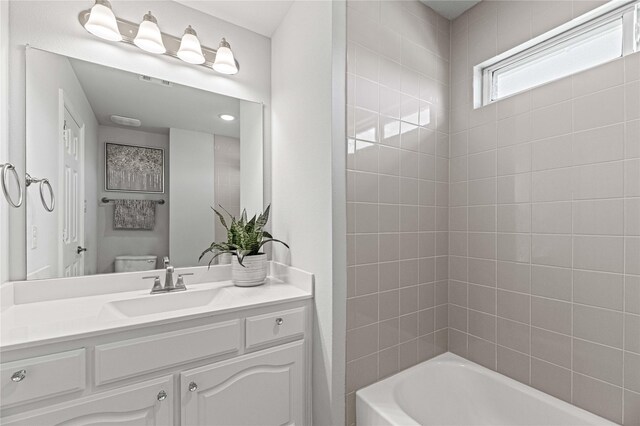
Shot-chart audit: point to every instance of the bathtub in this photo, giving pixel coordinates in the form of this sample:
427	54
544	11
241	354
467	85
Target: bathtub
450	390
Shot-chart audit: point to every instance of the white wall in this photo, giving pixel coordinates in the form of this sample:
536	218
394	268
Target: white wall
192	188
251	154
4	134
112	242
43	147
226	168
54	26
308	69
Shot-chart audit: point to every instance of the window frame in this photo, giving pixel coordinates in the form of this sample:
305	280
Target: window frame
484	82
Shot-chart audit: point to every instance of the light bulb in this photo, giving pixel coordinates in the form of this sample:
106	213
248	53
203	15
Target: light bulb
225	62
190	50
102	22
149	37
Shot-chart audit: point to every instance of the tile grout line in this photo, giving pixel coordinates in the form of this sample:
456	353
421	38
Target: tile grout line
572	246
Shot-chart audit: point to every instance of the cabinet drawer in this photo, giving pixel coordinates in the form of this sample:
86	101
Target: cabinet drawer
42	377
128	358
268	328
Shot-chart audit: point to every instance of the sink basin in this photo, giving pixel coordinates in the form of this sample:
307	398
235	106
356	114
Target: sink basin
158	303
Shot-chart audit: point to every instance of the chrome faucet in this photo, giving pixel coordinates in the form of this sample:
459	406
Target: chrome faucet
169	285
168	278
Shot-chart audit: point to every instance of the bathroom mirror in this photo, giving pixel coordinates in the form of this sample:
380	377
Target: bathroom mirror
124	168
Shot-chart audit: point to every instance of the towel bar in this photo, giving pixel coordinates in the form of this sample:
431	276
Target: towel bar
106	200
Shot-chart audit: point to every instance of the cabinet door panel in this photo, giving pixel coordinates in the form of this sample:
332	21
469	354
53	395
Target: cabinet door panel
135	405
262	389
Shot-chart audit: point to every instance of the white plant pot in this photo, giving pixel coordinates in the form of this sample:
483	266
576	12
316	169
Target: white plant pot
224	259
253	273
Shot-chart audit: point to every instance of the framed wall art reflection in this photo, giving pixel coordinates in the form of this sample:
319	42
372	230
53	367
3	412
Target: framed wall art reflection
131	168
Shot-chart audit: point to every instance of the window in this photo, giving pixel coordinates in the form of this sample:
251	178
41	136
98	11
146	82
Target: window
604	34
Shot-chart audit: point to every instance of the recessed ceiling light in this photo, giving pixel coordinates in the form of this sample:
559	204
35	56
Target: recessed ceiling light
227	117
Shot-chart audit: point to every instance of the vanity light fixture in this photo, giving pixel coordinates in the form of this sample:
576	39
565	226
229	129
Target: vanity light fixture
102	22
190	49
225	63
149	37
227	117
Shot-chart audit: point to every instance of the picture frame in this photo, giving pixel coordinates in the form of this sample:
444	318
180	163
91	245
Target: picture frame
133	168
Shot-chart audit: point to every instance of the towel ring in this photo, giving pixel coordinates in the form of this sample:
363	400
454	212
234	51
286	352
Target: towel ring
43	182
3	183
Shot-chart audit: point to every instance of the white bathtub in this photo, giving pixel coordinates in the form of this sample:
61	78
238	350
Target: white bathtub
450	390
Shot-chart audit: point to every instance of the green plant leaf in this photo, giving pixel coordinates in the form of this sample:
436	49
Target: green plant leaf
264	218
241	255
222	221
244	238
250	227
275	241
221	247
225	210
214	256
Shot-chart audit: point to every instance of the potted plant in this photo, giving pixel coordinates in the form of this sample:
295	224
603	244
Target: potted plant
244	241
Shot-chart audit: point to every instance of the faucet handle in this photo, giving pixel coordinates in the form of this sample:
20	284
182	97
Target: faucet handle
157	285
180	284
168	280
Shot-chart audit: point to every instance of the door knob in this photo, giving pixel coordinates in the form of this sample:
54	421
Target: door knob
19	376
81	249
193	387
162	395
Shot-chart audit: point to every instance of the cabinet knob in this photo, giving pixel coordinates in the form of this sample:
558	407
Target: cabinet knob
162	395
279	321
19	376
193	387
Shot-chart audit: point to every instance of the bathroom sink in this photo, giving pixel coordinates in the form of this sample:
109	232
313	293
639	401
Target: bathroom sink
158	303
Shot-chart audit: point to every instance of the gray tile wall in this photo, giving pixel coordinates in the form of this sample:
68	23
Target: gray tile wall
397	189
544	221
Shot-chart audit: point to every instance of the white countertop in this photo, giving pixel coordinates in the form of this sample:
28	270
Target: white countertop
31	319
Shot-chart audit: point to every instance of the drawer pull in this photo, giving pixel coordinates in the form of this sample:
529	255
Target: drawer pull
19	376
193	387
162	395
279	321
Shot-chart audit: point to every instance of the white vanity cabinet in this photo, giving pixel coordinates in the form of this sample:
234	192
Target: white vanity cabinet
244	367
262	388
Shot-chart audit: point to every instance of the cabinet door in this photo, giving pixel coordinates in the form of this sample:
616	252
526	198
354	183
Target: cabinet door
145	404
263	389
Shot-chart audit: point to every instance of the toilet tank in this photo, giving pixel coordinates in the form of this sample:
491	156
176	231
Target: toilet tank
135	263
